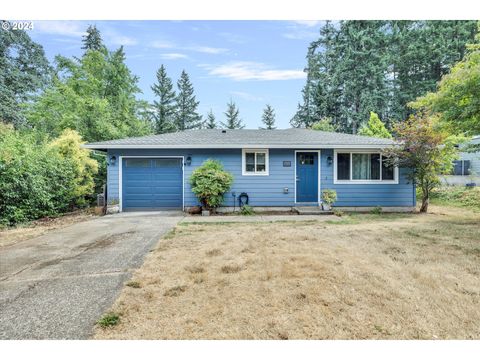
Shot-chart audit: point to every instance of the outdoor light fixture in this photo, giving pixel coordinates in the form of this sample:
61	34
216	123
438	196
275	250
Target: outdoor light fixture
329	160
188	161
113	160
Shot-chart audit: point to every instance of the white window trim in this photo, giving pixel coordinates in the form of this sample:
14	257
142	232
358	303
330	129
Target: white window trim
255	173
362	182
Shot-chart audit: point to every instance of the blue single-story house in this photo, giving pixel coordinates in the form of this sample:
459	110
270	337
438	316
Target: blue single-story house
278	169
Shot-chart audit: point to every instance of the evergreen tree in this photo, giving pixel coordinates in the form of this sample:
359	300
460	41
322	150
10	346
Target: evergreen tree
164	107
210	122
233	120
92	40
268	118
360	66
375	127
24	71
186	116
456	98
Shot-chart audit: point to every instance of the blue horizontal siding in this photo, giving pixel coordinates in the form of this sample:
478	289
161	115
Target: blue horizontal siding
269	190
401	194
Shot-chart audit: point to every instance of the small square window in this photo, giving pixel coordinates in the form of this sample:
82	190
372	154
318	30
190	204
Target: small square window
255	162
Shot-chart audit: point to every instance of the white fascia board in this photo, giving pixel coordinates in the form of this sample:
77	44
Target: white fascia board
245	146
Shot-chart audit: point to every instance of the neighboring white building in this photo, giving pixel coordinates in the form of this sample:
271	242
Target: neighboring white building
466	169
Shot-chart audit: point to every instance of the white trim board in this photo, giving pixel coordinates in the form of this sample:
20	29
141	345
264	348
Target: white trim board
362	182
267	162
120	173
241	146
319	175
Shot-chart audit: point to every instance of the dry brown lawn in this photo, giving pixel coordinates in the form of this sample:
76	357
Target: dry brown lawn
382	276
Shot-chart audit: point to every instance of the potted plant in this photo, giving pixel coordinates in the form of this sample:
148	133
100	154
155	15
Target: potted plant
329	196
209	183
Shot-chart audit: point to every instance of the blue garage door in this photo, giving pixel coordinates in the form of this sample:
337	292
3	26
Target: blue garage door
152	184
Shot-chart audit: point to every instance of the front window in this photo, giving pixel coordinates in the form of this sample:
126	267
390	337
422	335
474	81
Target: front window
255	162
363	166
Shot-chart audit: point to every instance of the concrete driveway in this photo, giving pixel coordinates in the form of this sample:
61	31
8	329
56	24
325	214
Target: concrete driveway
56	286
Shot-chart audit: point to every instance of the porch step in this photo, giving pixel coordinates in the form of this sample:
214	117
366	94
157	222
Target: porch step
311	210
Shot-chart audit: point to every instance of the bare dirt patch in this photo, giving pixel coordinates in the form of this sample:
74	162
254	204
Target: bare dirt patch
384	276
10	236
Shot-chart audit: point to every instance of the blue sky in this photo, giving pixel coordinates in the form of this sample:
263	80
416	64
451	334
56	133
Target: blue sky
251	62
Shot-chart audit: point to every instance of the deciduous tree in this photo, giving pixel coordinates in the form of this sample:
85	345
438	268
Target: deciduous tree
425	150
375	127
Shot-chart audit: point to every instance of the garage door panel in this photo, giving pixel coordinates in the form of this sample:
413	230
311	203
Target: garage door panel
149	184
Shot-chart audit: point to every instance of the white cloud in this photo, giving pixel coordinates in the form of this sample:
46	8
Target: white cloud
303	30
308	23
117	39
248	70
246	96
173	56
66	28
162	44
207	49
300	35
165	44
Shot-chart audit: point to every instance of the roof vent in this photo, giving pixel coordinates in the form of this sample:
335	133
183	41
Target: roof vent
224	131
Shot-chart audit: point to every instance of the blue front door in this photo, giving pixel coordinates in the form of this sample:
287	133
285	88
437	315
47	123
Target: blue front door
307	177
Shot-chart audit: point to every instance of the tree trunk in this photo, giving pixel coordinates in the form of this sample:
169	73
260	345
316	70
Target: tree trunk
425	201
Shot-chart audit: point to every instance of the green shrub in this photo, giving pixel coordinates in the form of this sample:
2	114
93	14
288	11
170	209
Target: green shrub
329	196
68	145
460	196
246	210
377	210
210	182
109	320
338	213
36	180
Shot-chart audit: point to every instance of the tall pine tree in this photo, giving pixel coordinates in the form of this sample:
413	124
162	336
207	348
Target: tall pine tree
268	118
164	105
186	116
233	120
24	71
92	40
210	122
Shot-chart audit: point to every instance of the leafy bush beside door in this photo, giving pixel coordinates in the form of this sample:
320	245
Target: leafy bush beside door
210	182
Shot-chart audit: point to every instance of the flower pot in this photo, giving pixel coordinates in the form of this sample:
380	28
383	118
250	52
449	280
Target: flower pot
205	212
326	207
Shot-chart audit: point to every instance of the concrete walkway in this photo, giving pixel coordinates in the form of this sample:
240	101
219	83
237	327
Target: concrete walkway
255	218
56	286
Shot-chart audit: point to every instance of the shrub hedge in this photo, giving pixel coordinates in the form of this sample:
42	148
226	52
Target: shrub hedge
37	179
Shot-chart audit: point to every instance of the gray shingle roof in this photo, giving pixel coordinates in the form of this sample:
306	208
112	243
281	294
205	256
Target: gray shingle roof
218	138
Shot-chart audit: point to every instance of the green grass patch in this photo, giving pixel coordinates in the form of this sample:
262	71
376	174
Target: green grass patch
345	220
170	235
133	284
109	320
458	196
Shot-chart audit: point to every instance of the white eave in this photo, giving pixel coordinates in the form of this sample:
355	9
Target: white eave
244	146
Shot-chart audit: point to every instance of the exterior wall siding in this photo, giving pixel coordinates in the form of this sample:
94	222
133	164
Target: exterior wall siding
269	190
401	194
